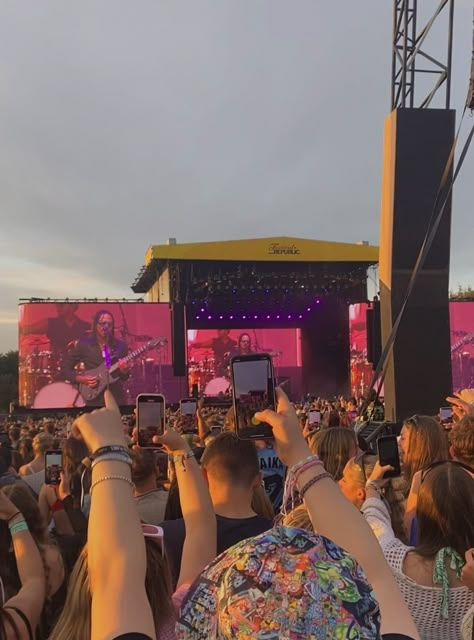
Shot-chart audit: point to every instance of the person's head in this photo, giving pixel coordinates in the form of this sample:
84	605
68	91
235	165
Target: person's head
41	443
23	499
74	451
331	419
144	468
103	325
5	460
25	431
461	440
25	449
285	583
49	427
298	518
244	343
222	334
75	619
66	309
354	478
445	509
422	441
334	447
231	463
14	434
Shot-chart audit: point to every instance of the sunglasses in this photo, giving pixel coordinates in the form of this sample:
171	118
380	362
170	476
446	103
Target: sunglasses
413	420
433	465
152	531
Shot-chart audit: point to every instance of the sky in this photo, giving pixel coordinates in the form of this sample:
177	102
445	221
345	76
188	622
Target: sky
125	123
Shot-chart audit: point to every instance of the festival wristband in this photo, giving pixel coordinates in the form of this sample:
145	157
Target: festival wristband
182	457
111	448
18	527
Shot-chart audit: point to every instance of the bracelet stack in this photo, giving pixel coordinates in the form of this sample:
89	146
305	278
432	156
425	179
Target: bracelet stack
182	457
17	524
104	478
293	475
112	453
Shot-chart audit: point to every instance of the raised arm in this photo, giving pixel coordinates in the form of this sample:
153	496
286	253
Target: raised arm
334	517
117	558
200	544
28	602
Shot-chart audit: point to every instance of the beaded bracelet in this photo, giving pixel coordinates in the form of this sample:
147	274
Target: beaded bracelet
111	448
112	457
104	478
313	481
18	527
182	457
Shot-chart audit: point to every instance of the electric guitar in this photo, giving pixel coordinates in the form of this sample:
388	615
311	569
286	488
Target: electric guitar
106	377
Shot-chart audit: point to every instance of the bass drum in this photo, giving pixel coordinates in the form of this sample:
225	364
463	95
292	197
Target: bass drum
217	387
58	395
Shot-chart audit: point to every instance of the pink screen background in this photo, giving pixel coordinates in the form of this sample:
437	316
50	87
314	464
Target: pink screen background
461	316
40	359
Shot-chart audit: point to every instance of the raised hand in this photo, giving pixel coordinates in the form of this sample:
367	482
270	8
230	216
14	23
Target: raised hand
101	427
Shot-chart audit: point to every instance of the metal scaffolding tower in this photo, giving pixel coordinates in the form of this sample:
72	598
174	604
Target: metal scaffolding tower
410	59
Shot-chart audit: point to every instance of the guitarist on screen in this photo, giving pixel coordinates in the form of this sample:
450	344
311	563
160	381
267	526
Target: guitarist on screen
102	348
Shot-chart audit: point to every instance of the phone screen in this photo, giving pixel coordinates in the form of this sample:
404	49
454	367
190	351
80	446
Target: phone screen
53	466
188	410
253	390
150	418
446	415
314	417
388	454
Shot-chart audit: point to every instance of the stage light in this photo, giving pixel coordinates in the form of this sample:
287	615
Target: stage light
268	317
244	317
221	317
317	301
308	309
197	318
209	317
231	317
289	317
255	317
202	310
278	317
300	317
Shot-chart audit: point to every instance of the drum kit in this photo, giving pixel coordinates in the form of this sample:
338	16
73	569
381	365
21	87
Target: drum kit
41	383
209	378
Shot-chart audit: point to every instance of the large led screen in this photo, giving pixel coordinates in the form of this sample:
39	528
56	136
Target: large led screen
210	350
70	353
461	315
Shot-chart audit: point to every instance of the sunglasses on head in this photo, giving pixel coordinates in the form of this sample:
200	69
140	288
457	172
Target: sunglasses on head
433	465
152	531
359	461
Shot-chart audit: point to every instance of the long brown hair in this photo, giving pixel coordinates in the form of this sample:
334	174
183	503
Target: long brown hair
445	510
428	443
75	619
334	446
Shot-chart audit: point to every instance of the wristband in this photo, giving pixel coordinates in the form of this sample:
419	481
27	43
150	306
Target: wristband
299	465
313	462
111	448
182	457
57	506
18	527
112	457
313	481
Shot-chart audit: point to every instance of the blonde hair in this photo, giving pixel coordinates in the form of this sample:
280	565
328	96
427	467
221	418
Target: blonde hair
334	446
428	443
298	518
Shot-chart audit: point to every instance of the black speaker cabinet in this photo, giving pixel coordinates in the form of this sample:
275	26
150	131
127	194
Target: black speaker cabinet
178	326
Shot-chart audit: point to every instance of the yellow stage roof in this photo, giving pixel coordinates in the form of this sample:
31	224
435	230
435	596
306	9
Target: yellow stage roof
280	249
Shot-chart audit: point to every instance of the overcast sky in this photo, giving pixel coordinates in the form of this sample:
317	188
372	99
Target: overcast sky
124	123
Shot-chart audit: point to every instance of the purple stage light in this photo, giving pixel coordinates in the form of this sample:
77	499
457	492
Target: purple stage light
202	310
244	317
308	309
255	317
300	317
231	317
317	301
268	317
289	317
197	317
221	317
278	317
209	317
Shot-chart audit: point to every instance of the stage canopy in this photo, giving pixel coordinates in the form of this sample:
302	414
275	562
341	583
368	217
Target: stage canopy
263	273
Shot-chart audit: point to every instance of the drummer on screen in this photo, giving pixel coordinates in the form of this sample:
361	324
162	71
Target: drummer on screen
61	330
221	346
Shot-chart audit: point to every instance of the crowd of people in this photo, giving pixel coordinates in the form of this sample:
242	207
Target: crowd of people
211	536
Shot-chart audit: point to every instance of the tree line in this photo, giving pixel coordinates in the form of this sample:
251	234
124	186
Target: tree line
8	380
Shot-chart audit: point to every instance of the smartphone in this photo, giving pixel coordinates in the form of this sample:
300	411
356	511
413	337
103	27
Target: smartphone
188	408
151	411
314	417
387	447
53	465
446	415
253	389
